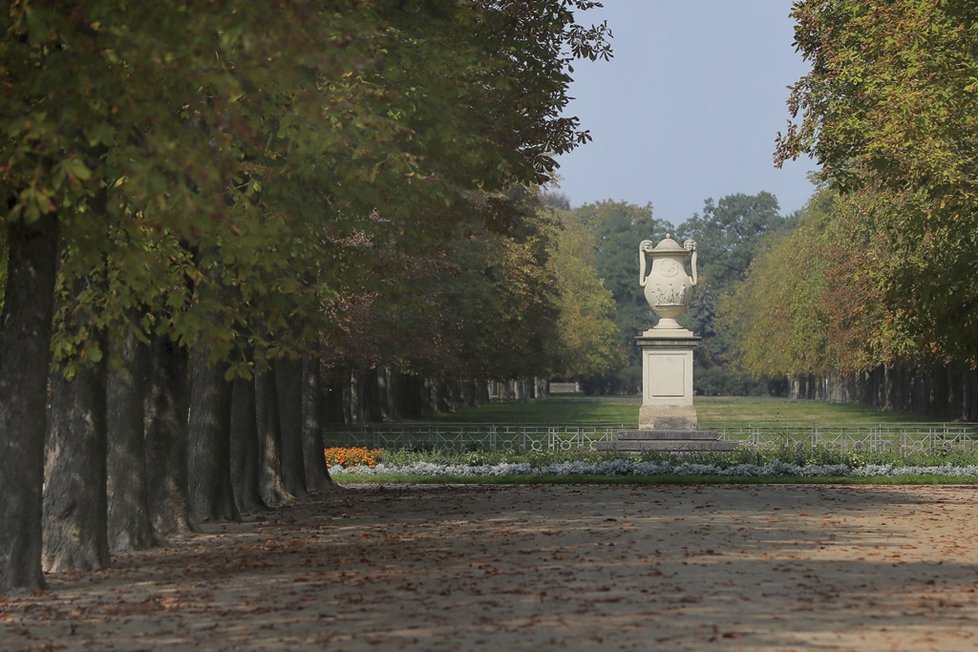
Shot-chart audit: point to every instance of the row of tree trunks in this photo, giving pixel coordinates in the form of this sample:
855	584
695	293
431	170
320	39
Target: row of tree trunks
159	441
518	389
944	391
378	395
187	447
384	394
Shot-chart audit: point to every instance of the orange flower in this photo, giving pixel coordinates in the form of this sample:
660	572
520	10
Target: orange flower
351	456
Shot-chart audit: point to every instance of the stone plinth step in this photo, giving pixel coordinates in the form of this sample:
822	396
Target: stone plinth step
645	434
679	441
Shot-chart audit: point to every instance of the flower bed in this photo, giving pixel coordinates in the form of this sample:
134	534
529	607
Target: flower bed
640	468
357	457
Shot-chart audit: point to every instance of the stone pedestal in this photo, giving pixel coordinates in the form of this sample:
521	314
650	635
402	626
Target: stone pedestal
667	418
667	379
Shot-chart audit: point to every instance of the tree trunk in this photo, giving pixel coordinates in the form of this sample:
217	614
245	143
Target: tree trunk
270	484
371	391
332	399
920	390
166	439
209	431
952	407
386	386
970	388
288	386
482	392
128	520
244	448
75	500
25	339
353	402
317	476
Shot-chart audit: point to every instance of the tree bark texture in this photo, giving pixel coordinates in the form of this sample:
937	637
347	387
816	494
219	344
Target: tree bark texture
270	483
317	476
75	499
244	448
128	513
25	339
209	461
166	438
288	387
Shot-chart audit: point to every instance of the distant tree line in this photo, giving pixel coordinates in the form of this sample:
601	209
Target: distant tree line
728	234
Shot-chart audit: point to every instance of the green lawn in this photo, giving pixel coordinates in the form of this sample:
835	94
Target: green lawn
563	409
712	411
717	410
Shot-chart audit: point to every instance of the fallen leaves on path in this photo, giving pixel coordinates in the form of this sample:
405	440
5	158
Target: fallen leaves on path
537	568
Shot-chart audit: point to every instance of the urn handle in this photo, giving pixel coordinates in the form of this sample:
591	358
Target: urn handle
690	245
643	247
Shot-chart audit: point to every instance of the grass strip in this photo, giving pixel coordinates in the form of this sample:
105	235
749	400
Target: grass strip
712	411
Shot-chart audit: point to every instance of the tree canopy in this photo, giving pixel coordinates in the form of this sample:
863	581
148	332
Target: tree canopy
728	235
889	111
587	333
618	228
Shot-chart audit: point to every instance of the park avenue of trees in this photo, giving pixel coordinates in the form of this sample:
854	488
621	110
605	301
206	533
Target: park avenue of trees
206	206
224	225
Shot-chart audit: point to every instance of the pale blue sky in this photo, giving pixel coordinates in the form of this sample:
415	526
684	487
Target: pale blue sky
688	108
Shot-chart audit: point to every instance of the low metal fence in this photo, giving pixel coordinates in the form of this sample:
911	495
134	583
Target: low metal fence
902	438
471	436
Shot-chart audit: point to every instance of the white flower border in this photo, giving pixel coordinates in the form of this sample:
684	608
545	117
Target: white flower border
631	467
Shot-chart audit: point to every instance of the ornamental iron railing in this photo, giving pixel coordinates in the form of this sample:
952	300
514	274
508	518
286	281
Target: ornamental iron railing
900	438
471	436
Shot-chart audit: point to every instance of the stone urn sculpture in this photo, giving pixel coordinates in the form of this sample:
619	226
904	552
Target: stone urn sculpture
668	288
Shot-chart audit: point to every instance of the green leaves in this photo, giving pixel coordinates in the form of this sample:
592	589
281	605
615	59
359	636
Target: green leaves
233	181
776	317
33	202
889	111
36	22
588	336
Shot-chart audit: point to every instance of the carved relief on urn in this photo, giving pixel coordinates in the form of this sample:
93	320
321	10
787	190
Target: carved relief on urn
668	288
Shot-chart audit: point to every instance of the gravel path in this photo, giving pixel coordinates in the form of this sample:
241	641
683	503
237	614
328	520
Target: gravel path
563	567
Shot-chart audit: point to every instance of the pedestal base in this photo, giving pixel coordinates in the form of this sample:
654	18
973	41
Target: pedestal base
667	417
667	441
667	380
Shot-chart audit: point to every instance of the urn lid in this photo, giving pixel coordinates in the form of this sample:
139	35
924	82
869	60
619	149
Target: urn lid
668	246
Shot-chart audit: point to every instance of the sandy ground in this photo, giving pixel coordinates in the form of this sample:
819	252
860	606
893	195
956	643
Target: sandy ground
749	567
